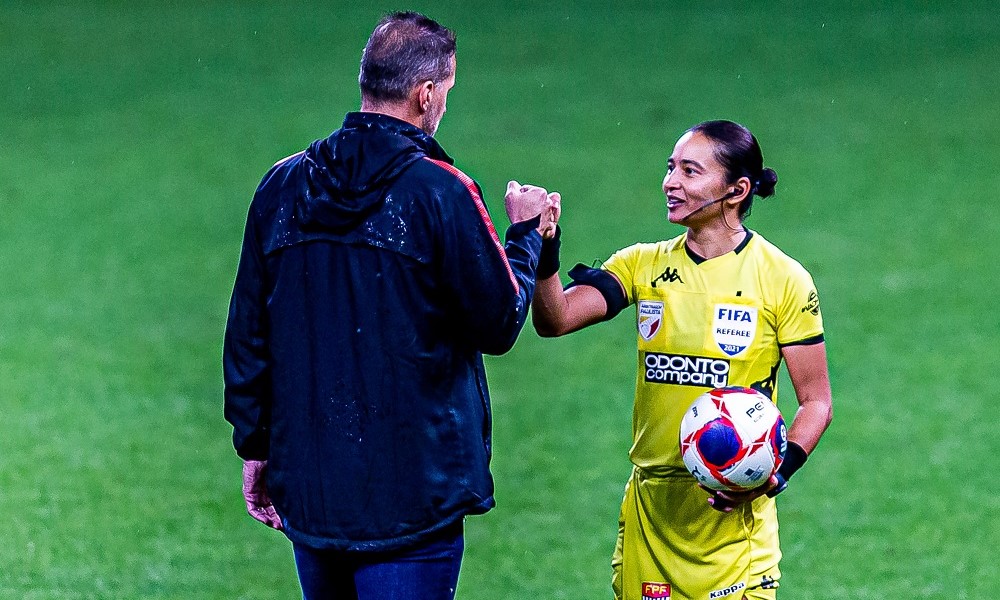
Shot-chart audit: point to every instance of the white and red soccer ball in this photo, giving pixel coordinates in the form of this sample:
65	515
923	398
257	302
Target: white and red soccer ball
732	439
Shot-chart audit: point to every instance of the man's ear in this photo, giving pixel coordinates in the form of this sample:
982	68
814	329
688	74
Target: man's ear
425	96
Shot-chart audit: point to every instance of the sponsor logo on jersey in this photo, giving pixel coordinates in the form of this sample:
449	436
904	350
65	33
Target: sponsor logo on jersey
812	304
727	591
734	327
768	583
650	318
679	369
667	276
655	591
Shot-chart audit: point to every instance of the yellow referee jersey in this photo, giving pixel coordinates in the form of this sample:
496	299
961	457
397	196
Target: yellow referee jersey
703	324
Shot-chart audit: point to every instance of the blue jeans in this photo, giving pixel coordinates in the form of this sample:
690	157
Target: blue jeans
425	572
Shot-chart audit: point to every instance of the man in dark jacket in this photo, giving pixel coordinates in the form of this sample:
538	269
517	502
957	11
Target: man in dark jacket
370	282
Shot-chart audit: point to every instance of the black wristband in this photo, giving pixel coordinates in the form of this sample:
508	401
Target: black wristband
779	487
795	457
548	260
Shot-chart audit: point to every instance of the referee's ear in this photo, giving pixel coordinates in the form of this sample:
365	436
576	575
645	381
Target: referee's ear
740	192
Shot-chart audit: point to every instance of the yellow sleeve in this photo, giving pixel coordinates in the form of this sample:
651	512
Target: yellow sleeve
799	317
622	265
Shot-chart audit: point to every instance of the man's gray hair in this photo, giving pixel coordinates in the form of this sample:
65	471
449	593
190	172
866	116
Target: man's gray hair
405	49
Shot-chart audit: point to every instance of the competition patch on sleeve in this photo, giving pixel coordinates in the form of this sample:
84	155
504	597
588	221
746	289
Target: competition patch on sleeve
650	315
655	591
812	305
734	327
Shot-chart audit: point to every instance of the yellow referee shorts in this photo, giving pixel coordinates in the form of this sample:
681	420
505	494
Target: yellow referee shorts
673	545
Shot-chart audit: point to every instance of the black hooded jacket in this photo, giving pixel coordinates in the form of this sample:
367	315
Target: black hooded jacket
370	283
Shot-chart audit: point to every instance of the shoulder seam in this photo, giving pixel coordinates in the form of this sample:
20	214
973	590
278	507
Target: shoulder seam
288	158
470	186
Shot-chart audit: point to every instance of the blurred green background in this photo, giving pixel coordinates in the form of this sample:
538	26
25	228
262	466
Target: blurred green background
132	135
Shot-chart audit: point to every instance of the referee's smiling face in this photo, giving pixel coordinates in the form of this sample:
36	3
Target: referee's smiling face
695	181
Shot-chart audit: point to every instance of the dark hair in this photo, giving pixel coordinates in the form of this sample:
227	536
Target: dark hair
737	150
405	49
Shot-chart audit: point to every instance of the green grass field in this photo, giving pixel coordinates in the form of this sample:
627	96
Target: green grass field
133	134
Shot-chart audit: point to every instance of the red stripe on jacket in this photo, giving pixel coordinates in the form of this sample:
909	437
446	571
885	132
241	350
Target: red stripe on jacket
474	192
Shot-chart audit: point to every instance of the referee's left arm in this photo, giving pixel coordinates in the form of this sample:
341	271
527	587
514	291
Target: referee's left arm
807	368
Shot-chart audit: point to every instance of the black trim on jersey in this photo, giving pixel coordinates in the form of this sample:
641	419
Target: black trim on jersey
809	341
694	257
744	243
700	259
603	282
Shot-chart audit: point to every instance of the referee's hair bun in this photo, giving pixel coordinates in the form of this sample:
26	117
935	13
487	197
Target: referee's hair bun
765	184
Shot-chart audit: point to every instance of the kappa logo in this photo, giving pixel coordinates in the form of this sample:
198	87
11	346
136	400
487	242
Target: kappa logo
812	304
667	276
650	318
766	386
727	591
655	591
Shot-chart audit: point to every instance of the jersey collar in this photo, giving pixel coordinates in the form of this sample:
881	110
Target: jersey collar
700	259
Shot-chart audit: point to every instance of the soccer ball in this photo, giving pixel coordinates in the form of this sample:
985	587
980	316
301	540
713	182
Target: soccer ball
733	439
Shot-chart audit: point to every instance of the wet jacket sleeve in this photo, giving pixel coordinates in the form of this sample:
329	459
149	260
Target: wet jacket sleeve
491	283
245	357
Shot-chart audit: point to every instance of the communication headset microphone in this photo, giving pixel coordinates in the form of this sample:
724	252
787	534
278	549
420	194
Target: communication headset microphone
711	202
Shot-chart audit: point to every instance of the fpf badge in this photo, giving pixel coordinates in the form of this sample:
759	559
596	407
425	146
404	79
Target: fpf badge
734	327
655	591
650	317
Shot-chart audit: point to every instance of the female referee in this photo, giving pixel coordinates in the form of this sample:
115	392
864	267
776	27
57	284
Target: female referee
716	306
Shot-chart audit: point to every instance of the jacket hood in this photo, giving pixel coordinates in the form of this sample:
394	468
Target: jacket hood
348	173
